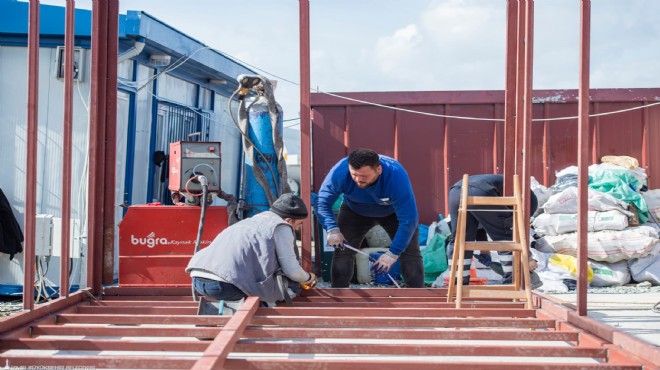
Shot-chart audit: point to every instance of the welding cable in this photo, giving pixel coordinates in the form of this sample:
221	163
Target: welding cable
202	217
371	259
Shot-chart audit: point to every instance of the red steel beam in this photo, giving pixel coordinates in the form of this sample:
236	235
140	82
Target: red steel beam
114	319
527	115
520	86
12	322
110	154
390	311
339	364
388	322
97	145
402	349
305	141
31	155
69	32
510	97
99	362
137	310
583	156
417	333
128	331
217	352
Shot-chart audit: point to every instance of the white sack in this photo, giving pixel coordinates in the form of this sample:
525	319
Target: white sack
610	274
560	223
567	202
646	269
611	246
652	198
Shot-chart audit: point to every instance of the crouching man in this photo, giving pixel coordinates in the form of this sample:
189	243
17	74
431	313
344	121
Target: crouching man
249	257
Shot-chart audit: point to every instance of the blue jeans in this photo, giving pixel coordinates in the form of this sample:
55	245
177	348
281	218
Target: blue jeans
218	290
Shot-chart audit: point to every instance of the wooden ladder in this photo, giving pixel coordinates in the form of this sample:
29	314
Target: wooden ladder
518	246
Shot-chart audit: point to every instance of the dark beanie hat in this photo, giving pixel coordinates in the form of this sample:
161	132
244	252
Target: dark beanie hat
289	205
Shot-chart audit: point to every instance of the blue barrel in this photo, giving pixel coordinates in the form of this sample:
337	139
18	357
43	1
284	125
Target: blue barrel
381	277
260	133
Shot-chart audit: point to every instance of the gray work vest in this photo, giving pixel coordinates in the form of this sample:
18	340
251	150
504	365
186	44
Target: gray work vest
244	255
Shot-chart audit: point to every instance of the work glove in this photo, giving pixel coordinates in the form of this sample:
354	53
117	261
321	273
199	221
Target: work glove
335	238
311	283
385	262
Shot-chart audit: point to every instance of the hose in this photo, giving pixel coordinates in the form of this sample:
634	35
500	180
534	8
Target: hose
202	217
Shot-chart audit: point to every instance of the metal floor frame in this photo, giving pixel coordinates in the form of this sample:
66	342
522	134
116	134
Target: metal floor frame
157	328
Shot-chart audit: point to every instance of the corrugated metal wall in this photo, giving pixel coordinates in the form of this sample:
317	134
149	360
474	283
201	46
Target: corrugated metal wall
437	151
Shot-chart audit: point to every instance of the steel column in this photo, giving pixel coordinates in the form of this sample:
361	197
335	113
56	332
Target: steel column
583	156
31	162
305	142
527	114
69	31
510	97
110	156
97	146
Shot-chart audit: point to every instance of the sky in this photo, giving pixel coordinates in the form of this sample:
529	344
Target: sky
417	45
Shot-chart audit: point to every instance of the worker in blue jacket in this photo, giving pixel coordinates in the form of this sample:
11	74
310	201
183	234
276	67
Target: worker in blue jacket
377	191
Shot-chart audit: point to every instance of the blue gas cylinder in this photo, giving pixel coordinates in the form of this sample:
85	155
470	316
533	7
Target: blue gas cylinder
260	132
380	277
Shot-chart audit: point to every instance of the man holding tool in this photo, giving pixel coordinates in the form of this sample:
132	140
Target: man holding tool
377	191
246	258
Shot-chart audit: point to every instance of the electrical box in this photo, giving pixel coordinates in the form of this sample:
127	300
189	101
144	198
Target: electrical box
78	63
43	235
191	158
75	239
48	237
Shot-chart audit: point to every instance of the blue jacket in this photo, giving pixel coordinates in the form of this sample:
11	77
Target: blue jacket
391	193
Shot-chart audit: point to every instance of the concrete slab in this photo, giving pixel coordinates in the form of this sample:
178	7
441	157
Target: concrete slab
630	313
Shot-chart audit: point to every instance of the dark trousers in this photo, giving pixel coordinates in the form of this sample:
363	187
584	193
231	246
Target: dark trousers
498	225
218	290
354	227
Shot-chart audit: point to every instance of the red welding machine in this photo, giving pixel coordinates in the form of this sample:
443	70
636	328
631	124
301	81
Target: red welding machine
156	243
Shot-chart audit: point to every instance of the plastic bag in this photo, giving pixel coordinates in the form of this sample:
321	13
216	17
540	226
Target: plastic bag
435	258
567	265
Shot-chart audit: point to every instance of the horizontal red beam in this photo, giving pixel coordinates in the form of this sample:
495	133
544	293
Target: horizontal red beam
396	312
399	98
103	331
127	303
323	303
401	322
385	333
100	362
401	349
146	310
64	344
142	319
339	364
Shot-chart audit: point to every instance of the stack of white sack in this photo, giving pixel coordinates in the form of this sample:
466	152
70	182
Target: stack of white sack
614	246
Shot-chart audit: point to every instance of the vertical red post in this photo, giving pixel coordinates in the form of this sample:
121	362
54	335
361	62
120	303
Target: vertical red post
510	96
305	144
527	110
97	145
31	163
110	155
583	156
69	30
520	87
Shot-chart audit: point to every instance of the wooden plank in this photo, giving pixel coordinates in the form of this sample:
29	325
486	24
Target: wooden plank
484	293
493	246
490	201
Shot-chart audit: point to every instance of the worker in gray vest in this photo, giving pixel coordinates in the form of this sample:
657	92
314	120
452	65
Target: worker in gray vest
246	258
